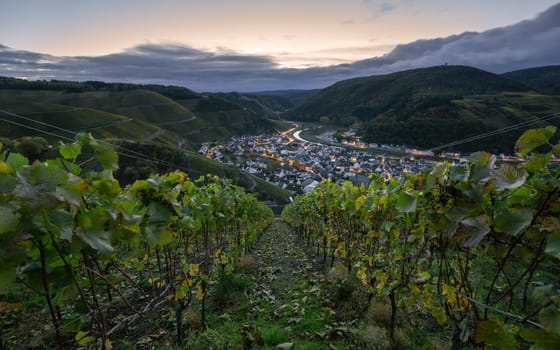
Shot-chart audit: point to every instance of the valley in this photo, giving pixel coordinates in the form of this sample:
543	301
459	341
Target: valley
147	216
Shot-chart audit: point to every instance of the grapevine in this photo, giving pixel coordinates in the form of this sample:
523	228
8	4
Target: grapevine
73	236
463	243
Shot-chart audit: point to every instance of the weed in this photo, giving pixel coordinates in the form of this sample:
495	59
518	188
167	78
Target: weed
192	320
247	263
379	313
274	335
229	292
375	338
338	274
350	298
439	344
210	339
400	340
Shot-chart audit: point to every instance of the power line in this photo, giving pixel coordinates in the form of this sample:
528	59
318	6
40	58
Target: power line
35	129
131	154
498	131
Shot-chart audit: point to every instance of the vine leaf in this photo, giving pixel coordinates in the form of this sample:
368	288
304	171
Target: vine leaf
553	245
482	163
537	162
74	190
550	319
9	219
494	335
70	151
513	222
156	236
17	161
406	203
459	173
104	153
534	138
541	338
64	221
474	229
108	187
92	230
509	176
99	240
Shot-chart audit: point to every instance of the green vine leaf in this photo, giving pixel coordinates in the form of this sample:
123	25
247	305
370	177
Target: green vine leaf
537	163
70	151
474	229
9	219
406	203
64	221
99	240
482	164
509	177
513	222
541	339
494	336
553	245
550	319
73	190
534	138
459	173
17	161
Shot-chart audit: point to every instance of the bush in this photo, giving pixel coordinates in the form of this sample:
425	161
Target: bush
31	147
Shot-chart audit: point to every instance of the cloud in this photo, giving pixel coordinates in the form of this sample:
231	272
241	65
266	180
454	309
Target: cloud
380	8
530	43
387	7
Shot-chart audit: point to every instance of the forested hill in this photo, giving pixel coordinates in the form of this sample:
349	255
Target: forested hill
544	79
428	107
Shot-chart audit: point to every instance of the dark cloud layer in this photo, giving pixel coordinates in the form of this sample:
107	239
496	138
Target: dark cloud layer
526	44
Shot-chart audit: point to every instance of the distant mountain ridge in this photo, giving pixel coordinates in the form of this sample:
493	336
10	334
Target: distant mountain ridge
528	43
428	107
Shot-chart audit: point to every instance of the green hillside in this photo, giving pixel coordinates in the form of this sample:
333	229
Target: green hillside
151	118
430	106
192	117
40	111
543	79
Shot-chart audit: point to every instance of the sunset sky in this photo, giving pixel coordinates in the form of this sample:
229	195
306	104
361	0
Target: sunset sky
255	45
295	33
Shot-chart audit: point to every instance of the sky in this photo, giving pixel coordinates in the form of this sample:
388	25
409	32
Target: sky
263	44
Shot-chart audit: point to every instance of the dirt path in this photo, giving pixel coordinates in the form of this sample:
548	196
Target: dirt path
289	298
280	259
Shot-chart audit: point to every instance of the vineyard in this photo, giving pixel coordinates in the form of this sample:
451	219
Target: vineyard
473	246
466	254
99	258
